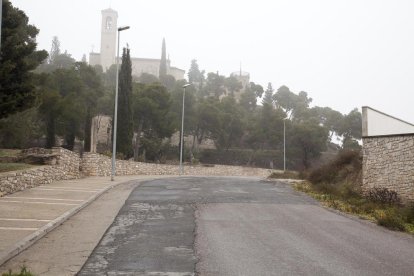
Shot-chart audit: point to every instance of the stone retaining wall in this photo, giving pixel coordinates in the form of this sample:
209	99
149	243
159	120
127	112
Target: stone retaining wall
94	164
388	162
64	164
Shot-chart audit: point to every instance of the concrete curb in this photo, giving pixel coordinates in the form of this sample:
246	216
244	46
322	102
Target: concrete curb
25	243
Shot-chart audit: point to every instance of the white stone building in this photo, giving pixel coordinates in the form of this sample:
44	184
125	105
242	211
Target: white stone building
107	56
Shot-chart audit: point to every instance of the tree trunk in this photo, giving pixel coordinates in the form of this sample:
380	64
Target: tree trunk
70	136
88	125
50	132
137	140
305	159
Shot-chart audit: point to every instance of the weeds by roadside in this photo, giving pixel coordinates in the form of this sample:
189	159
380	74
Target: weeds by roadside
337	185
286	175
23	272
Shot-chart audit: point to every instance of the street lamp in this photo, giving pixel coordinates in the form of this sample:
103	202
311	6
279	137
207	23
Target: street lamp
284	144
120	29
1	11
182	131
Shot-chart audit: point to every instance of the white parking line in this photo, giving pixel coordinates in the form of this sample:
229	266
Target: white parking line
21	219
69	188
18	228
60	199
37	202
79	191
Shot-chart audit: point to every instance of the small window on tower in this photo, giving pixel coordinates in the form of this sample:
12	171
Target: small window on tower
109	23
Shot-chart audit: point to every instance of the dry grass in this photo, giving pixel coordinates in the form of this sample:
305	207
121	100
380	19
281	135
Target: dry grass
285	175
338	185
394	217
8	167
9	152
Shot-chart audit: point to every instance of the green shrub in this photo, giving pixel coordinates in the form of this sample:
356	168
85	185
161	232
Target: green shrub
390	218
409	213
23	272
383	195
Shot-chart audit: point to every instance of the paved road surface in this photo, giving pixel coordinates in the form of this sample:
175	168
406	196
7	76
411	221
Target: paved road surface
241	226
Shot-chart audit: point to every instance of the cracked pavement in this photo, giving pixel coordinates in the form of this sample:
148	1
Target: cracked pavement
214	226
241	226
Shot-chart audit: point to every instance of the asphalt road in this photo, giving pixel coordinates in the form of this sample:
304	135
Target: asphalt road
241	226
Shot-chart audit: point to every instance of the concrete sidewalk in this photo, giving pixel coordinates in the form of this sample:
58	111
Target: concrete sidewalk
27	216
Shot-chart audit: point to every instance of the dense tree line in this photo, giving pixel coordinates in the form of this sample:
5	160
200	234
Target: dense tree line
60	98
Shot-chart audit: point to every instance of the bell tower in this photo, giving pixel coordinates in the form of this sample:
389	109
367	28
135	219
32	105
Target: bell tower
108	37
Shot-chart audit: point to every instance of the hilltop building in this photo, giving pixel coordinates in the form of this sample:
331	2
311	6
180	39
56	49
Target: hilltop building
244	79
107	56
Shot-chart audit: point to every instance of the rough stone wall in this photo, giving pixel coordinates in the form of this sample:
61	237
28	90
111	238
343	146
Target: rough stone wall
64	165
68	163
388	162
94	164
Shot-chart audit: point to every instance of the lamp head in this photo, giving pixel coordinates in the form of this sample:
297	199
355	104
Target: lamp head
186	85
123	28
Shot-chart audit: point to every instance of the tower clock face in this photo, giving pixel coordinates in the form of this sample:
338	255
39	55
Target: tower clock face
108	24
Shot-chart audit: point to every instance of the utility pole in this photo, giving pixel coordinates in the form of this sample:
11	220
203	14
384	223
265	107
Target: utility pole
1	12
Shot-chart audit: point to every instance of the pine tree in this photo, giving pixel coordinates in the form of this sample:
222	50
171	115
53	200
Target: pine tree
18	59
55	50
125	123
163	62
194	73
268	97
195	76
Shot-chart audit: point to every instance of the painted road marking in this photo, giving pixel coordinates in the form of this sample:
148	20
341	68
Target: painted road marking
79	191
60	199
18	228
70	188
37	202
21	219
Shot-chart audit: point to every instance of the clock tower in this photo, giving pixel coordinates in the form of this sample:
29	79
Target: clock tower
108	38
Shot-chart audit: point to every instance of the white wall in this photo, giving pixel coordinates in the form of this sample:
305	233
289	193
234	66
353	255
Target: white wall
377	123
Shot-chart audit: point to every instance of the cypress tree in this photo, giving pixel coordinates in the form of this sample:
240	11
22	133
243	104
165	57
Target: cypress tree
268	96
125	123
163	62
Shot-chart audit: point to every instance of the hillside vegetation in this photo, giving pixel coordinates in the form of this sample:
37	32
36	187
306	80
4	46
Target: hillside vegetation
338	185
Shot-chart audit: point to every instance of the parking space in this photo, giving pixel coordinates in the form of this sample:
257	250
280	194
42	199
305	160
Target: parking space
23	213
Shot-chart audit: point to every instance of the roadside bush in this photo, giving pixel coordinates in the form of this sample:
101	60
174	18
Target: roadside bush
390	218
347	166
338	185
409	213
383	195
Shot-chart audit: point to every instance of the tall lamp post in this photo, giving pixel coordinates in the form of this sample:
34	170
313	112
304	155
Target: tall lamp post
182	131
120	29
284	144
1	11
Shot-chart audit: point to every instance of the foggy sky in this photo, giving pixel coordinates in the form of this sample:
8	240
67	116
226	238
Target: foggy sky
345	54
